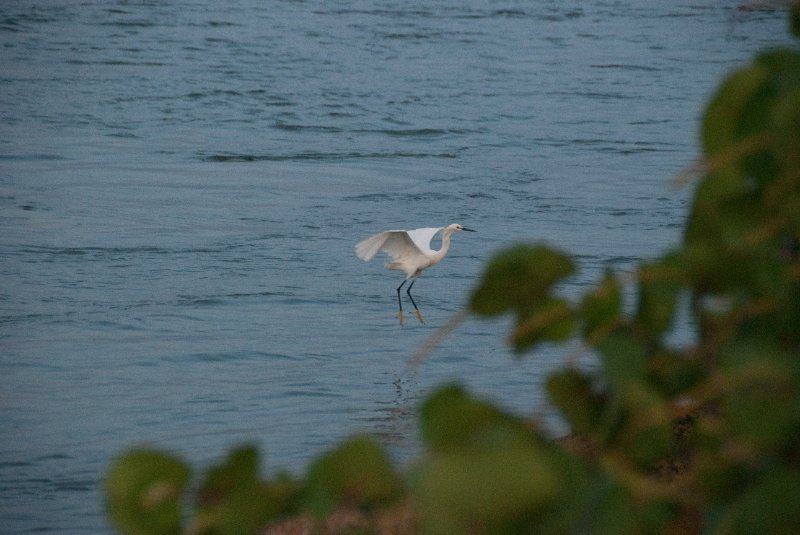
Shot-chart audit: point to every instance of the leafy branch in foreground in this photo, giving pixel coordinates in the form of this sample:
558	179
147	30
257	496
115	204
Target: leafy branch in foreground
699	438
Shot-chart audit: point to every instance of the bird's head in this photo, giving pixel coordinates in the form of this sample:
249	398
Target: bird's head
455	227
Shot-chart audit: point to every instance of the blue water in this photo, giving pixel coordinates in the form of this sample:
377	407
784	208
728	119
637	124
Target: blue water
182	184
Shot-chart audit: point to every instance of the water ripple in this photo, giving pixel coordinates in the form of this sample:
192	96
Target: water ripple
183	182
322	156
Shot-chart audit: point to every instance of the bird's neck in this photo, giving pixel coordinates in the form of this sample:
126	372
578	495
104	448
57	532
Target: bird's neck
438	255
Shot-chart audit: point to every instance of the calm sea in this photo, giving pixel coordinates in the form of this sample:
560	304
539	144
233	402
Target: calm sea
182	184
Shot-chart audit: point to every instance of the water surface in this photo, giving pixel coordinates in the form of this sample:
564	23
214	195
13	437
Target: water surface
182	185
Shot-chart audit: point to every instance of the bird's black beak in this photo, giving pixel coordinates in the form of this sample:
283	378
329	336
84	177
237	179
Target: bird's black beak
468	229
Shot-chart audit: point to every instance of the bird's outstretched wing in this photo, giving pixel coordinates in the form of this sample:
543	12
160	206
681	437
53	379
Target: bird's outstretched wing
398	243
422	238
368	248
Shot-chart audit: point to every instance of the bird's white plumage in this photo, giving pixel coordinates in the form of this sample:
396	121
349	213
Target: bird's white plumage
422	238
410	251
398	243
367	249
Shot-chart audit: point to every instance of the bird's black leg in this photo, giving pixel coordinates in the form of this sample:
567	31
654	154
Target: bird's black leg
408	291
399	302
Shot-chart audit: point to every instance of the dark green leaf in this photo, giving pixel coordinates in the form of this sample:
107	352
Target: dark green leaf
571	391
771	506
724	211
240	468
646	446
358	472
610	509
659	287
672	373
760	404
624	358
234	499
483	490
646	435
741	121
519	277
723	121
451	419
551	320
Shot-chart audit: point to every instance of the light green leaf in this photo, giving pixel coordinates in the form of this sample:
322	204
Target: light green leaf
143	490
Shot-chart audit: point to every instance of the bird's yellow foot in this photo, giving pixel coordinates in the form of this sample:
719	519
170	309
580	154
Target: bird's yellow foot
416	311
400	315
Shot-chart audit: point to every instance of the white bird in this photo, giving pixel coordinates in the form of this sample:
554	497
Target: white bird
411	253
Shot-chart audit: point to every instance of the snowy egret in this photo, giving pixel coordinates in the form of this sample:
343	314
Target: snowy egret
411	253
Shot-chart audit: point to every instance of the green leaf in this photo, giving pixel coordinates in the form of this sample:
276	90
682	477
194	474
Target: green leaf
570	514
485	490
488	471
648	445
233	499
770	506
760	406
712	271
551	320
571	391
624	358
786	117
143	490
518	278
727	114
724	210
659	287
673	373
451	419
239	468
644	427
610	509
602	308
357	473
741	122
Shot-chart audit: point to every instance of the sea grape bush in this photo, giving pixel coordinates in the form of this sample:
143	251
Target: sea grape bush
699	438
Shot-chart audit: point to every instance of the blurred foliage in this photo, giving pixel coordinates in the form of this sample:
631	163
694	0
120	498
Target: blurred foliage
143	492
702	437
